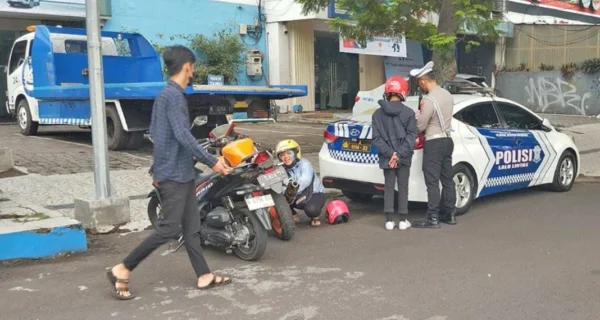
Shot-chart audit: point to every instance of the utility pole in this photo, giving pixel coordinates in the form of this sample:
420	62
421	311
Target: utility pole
97	104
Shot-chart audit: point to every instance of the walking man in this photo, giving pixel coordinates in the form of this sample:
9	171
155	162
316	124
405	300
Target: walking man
434	120
174	149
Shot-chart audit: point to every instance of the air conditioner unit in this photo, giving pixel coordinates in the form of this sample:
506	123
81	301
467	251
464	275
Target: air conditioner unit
499	6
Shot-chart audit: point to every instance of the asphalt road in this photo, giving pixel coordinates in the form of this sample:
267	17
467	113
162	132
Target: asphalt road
522	255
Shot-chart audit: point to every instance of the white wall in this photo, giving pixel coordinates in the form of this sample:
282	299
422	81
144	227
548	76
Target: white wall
281	10
279	58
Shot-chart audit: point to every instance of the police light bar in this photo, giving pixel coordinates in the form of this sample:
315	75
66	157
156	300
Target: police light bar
466	87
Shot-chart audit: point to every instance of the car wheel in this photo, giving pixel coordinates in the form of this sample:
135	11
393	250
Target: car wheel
564	176
357	197
464	182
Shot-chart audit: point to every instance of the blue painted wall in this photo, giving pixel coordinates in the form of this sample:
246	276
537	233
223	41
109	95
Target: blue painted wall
173	17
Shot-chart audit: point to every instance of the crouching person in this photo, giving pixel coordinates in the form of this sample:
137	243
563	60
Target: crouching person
394	135
310	196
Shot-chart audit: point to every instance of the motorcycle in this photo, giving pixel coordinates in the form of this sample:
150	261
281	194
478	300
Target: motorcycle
233	209
282	220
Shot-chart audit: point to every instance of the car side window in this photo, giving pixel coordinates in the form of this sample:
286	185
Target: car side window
17	56
481	115
518	118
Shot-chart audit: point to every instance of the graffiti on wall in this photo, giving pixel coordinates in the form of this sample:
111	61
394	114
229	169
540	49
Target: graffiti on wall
549	92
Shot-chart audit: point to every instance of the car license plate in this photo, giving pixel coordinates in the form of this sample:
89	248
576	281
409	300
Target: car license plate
359	145
259	202
271	178
217	110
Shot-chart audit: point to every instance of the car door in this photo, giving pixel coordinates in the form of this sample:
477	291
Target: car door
15	69
533	153
482	135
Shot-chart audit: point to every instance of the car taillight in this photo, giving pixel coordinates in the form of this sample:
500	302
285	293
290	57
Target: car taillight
356	98
329	137
419	141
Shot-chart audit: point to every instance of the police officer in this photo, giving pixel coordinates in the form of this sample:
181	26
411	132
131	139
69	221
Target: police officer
434	121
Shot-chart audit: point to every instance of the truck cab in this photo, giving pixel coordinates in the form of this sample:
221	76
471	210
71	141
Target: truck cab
18	73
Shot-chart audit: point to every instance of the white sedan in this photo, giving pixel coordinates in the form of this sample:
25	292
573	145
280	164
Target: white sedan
500	145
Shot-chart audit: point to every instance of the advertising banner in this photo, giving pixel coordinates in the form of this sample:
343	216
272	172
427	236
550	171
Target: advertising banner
587	7
395	66
65	8
379	46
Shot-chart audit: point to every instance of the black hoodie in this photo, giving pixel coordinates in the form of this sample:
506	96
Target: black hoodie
394	130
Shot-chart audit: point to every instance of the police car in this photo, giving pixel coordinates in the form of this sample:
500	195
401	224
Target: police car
500	145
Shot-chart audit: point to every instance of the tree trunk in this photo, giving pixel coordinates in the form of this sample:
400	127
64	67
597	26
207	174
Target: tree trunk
444	60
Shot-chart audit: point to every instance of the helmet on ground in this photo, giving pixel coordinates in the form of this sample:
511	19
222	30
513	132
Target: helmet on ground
396	85
337	212
288	145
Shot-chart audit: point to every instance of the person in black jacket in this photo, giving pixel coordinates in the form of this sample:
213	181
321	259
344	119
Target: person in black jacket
394	135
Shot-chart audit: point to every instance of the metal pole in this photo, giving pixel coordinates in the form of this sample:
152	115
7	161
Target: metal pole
97	106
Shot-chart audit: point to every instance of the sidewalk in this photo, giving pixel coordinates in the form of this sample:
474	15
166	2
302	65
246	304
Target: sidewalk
57	192
32	231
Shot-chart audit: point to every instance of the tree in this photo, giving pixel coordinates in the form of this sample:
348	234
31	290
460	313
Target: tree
370	18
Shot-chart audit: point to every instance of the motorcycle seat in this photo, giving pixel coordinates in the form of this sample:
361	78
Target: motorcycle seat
203	177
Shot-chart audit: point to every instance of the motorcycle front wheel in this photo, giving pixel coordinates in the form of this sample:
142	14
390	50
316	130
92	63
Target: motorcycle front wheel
257	245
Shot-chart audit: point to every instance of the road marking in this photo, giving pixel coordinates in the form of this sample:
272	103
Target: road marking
273	131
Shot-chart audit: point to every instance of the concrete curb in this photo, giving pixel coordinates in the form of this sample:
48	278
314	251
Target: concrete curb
587	179
34	232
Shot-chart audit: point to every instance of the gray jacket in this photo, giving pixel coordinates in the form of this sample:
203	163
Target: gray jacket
394	130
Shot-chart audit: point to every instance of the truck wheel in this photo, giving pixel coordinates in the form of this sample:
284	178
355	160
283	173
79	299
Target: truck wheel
136	139
27	126
117	137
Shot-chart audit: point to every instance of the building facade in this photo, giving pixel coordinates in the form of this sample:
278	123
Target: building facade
161	22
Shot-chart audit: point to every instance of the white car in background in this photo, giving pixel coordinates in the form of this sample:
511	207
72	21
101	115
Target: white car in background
366	100
500	145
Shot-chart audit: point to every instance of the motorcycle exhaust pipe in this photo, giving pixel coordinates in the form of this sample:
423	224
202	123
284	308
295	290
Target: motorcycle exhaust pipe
290	191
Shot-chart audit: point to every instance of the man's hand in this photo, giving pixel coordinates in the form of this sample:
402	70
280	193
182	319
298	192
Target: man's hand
221	167
394	160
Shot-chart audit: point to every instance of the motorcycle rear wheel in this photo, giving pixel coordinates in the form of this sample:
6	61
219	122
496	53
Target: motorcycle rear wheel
258	245
155	213
282	218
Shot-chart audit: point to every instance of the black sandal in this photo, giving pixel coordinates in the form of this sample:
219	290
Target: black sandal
118	292
214	283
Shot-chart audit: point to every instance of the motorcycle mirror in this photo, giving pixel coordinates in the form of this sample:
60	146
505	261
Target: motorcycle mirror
200	120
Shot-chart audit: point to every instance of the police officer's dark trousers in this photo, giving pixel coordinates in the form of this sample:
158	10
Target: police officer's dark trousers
437	167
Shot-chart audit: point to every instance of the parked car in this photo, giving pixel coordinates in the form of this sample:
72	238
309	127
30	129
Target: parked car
366	100
24	3
500	145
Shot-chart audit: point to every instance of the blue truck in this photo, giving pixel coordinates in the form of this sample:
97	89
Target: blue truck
48	84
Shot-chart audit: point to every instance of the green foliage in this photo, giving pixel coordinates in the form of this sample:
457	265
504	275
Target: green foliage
370	18
590	67
219	54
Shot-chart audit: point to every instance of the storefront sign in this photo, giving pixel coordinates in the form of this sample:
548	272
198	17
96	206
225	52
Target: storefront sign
587	7
215	80
335	11
379	46
66	8
395	66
